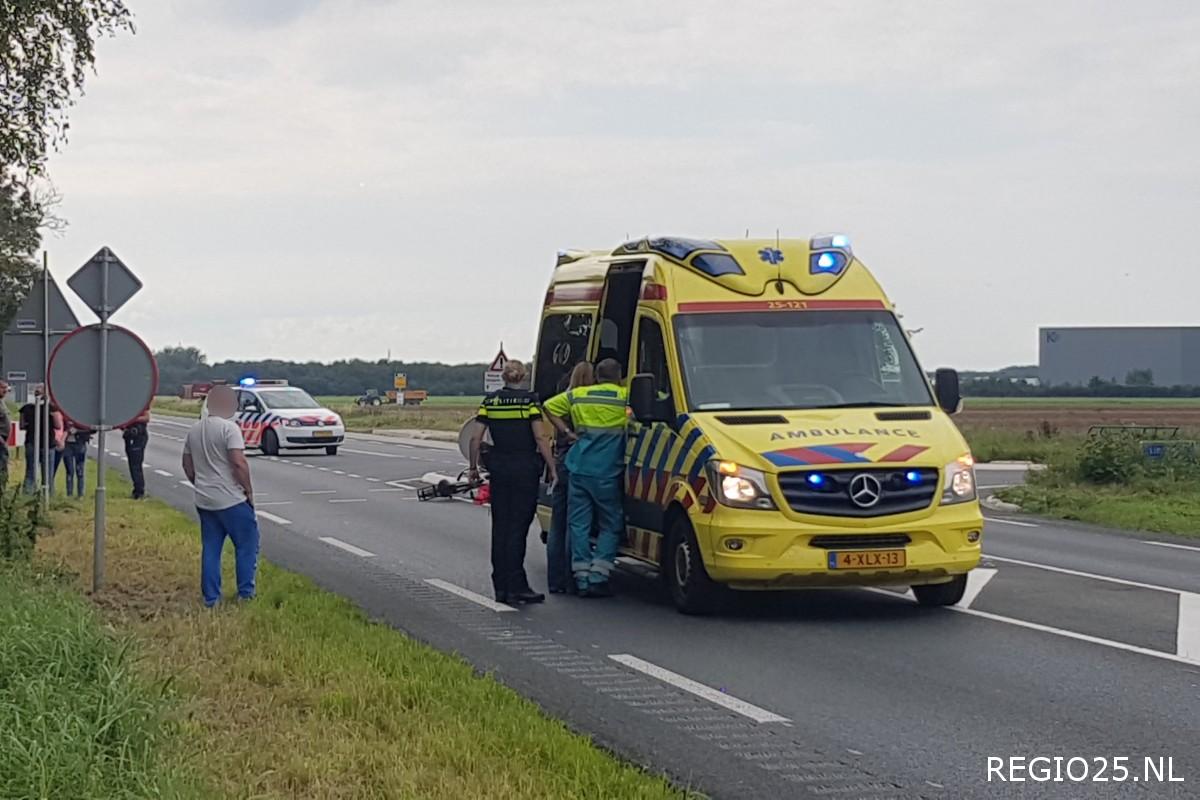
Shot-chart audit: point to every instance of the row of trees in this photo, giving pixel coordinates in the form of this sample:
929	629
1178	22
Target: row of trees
47	47
180	365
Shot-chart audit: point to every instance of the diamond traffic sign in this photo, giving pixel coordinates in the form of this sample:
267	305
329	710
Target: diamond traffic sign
31	316
88	282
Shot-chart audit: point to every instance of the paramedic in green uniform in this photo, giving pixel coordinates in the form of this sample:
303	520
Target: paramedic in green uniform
596	461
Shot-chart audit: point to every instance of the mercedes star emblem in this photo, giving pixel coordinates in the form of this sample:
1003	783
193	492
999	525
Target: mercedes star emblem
865	490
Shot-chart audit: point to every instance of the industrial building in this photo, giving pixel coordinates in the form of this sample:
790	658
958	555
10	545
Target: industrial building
1074	356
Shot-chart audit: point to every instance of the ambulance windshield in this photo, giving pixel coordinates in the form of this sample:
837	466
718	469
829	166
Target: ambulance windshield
798	359
281	399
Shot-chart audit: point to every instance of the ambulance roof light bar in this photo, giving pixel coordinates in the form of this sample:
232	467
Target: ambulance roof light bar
826	241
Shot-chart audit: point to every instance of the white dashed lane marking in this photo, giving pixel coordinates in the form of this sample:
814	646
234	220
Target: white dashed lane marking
710	694
267	515
349	548
164	473
467	594
1176	546
350	500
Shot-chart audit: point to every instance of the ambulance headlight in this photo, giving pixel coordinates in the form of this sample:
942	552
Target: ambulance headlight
739	487
959	484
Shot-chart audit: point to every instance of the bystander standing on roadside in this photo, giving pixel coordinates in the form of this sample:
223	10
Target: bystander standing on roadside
75	457
214	460
137	436
34	449
58	441
5	428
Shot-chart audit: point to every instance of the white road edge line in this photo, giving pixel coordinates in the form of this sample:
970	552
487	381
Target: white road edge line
389	489
1094	576
164	473
349	548
1178	657
467	594
320	491
1187	637
186	483
369	453
267	515
1011	522
1176	546
710	694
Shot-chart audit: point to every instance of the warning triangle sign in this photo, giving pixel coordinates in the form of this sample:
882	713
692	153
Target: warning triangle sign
499	361
31	316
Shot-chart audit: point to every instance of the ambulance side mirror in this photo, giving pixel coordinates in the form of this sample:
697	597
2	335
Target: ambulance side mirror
643	399
946	388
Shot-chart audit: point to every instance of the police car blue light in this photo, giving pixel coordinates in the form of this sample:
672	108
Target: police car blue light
247	382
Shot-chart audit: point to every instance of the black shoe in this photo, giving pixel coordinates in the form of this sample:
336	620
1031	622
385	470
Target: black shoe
558	591
529	596
502	597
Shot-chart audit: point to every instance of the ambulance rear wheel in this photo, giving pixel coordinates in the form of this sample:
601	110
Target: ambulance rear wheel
270	443
691	589
331	450
942	594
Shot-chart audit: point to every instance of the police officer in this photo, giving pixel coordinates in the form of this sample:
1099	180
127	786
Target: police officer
137	435
520	449
598	417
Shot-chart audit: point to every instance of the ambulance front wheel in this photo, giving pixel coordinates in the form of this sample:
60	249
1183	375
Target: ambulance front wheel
331	450
942	594
683	569
270	443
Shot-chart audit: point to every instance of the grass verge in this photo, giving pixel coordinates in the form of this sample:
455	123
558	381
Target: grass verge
299	695
1174	508
76	718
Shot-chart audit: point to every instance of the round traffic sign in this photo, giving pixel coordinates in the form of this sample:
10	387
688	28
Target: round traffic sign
130	383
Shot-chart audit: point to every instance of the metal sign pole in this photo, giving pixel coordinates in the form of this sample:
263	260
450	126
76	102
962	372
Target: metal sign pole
101	488
47	475
35	446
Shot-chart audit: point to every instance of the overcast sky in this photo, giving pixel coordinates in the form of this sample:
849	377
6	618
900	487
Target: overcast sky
321	179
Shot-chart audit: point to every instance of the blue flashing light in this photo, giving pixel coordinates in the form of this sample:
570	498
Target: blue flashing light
829	262
840	240
247	382
816	480
913	476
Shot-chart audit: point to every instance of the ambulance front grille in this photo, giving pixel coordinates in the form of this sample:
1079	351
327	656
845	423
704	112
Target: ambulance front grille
900	491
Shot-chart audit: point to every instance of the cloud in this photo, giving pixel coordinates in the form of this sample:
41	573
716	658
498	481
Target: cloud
342	177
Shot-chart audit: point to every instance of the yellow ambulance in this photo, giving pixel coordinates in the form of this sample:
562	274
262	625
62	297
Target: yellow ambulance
783	434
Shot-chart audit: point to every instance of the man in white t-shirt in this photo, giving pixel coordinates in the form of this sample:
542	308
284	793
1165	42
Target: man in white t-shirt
214	459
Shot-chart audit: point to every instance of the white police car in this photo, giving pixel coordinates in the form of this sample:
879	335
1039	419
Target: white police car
274	416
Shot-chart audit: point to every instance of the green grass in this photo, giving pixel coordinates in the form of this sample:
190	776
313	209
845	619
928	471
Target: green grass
1170	508
298	694
999	444
76	718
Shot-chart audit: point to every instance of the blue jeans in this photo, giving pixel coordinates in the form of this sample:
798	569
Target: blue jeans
75	457
597	500
31	465
558	550
240	525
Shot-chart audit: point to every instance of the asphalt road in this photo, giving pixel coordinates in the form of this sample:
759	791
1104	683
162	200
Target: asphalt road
1071	643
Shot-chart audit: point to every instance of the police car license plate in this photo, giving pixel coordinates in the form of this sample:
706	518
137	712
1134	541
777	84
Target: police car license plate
867	559
322	434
